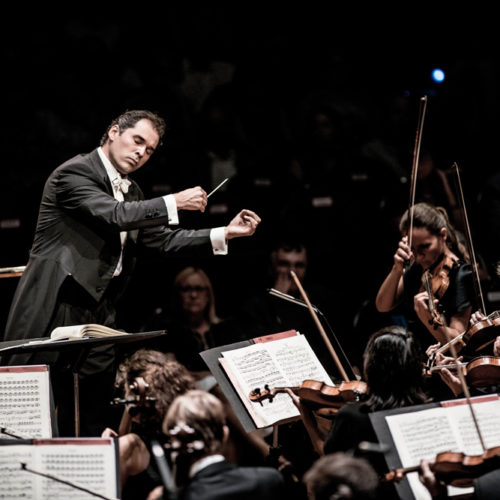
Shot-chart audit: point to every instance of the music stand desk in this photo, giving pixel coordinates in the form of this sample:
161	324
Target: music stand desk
79	348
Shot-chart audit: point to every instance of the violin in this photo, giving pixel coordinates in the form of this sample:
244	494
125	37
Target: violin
316	393
139	389
455	468
482	371
435	282
477	337
483	333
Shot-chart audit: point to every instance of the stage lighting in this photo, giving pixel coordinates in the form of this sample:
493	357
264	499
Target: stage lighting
437	75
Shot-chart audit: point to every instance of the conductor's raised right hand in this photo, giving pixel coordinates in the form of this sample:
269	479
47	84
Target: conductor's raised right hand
191	199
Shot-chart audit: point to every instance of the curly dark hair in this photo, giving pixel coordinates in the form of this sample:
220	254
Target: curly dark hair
166	379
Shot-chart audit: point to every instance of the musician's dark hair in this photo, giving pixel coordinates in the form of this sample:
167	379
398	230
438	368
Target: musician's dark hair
289	245
130	118
434	218
393	369
341	477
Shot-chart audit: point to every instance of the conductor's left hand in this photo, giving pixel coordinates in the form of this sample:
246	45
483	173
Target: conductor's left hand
244	224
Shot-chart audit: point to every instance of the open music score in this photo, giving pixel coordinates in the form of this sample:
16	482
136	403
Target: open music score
25	405
287	360
90	463
437	428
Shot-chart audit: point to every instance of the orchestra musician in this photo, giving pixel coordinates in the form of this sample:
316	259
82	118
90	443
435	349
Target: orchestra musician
165	379
442	311
394	375
196	426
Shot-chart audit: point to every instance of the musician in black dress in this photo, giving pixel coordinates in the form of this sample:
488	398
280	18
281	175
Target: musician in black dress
442	311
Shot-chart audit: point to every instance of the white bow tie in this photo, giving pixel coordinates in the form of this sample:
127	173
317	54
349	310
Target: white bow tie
121	184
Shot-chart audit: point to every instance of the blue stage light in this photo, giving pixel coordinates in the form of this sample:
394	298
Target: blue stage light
437	75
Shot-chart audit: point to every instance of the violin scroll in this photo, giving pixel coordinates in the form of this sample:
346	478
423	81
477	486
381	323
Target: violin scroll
435	282
139	388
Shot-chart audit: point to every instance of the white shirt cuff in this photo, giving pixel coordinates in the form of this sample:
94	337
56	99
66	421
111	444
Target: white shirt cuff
173	216
218	239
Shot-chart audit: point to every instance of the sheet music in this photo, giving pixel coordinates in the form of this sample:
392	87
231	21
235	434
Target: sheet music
424	434
16	483
25	401
89	463
281	363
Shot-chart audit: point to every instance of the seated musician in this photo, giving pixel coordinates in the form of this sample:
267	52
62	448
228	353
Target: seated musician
394	375
196	426
165	379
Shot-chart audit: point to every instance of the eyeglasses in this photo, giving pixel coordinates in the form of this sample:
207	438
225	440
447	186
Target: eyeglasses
193	289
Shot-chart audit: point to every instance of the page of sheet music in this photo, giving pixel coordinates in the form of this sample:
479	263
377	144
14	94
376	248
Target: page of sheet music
280	363
426	433
25	402
89	463
16	483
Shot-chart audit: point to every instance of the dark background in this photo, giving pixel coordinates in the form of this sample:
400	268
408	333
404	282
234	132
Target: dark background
268	68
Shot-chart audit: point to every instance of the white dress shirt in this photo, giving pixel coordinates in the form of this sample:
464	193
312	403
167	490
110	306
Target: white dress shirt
204	462
217	235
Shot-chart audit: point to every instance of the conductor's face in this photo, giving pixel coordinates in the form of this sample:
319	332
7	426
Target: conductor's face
131	149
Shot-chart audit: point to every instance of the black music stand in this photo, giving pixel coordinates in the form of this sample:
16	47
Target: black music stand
77	351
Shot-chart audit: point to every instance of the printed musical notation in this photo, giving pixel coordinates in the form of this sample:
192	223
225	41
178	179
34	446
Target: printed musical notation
25	401
88	463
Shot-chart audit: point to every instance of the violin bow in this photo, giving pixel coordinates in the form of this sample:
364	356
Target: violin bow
414	168
470	247
465	388
450	341
469	240
320	328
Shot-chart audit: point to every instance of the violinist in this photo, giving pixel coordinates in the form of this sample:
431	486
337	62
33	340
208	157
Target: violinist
441	310
393	373
166	379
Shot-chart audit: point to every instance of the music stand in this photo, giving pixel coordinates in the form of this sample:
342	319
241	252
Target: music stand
78	350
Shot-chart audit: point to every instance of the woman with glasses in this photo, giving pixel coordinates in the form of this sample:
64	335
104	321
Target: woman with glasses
191	322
